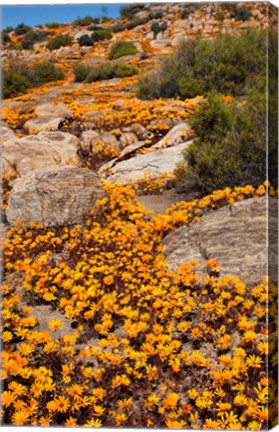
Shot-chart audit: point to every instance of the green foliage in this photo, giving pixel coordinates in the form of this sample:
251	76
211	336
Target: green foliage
99	35
129	11
95	27
155	15
53	25
230	64
59	41
85	40
103	71
22	29
5	37
86	21
121	49
230	148
18	78
241	13
135	23
14	47
158	27
106	19
117	28
8	29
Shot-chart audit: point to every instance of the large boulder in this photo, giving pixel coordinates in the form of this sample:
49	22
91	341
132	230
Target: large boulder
6	133
39	151
178	134
153	163
235	235
54	196
48	116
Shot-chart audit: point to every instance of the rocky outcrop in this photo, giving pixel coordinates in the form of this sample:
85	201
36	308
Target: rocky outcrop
47	117
153	163
178	134
6	133
39	151
53	196
234	235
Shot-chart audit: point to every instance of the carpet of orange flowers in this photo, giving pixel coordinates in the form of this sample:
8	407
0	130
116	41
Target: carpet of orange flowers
149	347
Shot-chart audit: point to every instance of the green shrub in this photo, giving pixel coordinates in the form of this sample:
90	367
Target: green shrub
106	19
230	149
22	29
14	47
129	11
158	27
5	37
241	13
117	28
18	78
155	15
121	49
85	40
83	22
53	25
135	23
81	72
95	27
230	64
99	35
59	41
45	72
104	71
8	29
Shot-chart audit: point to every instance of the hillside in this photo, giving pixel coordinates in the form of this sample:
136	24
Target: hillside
134	219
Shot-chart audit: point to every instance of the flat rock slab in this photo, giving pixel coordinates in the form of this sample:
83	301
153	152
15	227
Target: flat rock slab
38	151
153	163
235	235
54	196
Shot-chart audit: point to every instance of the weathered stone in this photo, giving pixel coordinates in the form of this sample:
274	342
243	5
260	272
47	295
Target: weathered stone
180	133
153	163
39	151
54	196
127	138
89	139
234	235
6	133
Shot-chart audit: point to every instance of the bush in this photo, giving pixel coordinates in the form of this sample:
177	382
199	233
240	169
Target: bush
8	29
18	78
99	35
45	72
85	40
22	29
121	49
117	28
5	37
158	27
14	47
135	23
129	11
83	22
241	13
230	64
53	25
95	27
230	149
103	71
59	41
155	15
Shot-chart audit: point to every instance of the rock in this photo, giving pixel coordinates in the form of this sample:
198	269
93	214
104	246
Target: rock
39	151
159	203
110	140
89	139
53	110
234	235
38	124
127	138
180	133
6	133
154	163
53	196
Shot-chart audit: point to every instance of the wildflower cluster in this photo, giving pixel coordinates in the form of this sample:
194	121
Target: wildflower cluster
148	184
149	347
5	189
16	118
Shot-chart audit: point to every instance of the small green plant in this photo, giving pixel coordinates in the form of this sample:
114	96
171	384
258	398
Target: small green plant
5	37
99	35
22	29
59	41
45	72
158	27
86	21
129	11
104	71
85	40
121	49
8	29
155	15
53	25
95	27
136	22
14	47
241	13
117	28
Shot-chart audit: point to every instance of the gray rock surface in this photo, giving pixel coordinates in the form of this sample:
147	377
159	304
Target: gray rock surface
154	163
178	134
39	151
234	235
54	196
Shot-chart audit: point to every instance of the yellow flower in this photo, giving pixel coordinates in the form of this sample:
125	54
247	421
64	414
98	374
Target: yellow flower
70	422
170	401
93	423
254	361
20	418
55	324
